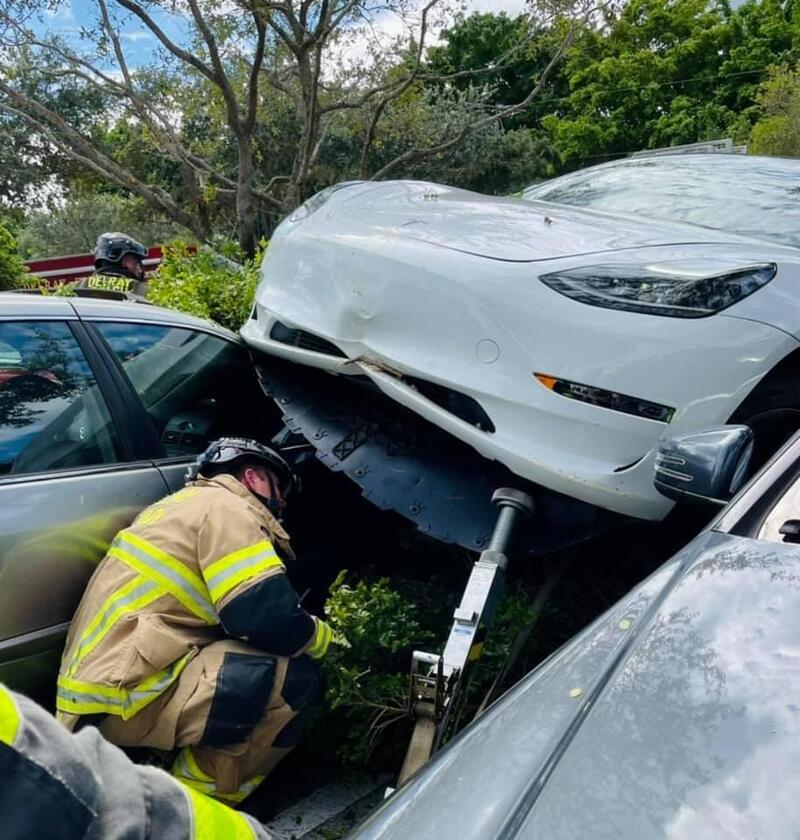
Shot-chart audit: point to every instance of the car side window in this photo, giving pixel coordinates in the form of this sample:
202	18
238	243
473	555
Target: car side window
782	523
194	386
52	412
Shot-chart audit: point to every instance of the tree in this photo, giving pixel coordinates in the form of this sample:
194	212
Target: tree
215	100
503	54
12	268
666	72
74	227
500	51
778	130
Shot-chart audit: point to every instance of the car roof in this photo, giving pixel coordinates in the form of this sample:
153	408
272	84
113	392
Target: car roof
696	160
17	305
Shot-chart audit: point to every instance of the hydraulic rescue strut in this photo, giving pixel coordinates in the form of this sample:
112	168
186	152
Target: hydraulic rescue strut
438	683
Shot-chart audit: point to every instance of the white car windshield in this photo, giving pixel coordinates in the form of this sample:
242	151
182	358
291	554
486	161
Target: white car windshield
745	195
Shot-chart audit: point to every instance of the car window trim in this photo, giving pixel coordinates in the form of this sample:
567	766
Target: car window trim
76	472
175	460
143	435
233	338
66	316
33	642
110	391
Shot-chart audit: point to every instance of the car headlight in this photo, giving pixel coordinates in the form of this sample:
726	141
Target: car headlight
316	201
673	289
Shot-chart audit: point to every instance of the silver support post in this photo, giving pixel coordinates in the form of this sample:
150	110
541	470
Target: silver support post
437	682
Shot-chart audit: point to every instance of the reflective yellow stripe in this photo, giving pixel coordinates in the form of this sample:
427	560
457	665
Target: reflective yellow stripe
245	789
225	574
85	698
168	572
186	769
322	638
9	717
222	589
80	687
214	821
241	554
191	581
135	595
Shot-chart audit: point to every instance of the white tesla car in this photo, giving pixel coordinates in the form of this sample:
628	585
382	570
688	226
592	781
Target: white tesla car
558	341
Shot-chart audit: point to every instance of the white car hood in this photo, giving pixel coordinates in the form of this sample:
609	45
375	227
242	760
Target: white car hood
507	229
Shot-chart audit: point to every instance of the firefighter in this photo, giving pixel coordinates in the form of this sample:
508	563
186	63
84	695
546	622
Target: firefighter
190	638
61	786
118	265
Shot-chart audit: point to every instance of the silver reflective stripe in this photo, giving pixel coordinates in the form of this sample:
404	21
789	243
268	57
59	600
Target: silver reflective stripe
137	695
182	769
87	697
135	699
247	788
204	605
248	562
146	587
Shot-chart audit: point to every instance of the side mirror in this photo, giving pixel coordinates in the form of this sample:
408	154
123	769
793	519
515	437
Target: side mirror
707	466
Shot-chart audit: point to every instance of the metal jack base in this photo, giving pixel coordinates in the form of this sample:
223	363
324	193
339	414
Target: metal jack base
438	683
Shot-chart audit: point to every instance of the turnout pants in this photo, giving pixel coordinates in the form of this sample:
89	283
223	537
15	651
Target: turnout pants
233	714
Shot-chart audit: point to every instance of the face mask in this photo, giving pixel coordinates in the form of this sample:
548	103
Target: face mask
272	505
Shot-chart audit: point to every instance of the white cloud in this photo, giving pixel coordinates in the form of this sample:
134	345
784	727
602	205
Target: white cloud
386	27
510	7
59	14
137	35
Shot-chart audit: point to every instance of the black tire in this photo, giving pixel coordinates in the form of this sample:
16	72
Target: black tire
772	411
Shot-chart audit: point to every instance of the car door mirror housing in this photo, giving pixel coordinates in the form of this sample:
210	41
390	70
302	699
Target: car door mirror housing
706	466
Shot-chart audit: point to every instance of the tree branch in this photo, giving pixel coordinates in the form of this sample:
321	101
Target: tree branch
399	91
75	146
177	51
502	62
220	77
255	70
510	110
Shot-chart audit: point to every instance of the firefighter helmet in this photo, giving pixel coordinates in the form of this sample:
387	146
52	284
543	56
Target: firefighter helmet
225	454
112	247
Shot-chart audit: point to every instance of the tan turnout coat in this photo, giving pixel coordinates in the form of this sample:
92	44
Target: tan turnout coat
154	600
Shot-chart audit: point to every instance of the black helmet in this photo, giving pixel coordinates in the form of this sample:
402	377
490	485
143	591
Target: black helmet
112	247
222	456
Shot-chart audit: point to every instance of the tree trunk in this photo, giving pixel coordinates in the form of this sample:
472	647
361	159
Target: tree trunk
197	201
245	200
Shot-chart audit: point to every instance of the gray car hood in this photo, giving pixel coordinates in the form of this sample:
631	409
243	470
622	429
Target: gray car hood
675	715
506	229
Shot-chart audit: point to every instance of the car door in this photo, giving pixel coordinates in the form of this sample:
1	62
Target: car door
71	475
194	385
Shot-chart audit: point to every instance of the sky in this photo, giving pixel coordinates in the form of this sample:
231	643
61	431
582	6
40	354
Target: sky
390	26
71	15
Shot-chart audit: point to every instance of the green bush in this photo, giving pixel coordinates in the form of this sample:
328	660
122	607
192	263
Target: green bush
363	722
204	284
366	671
62	289
12	268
